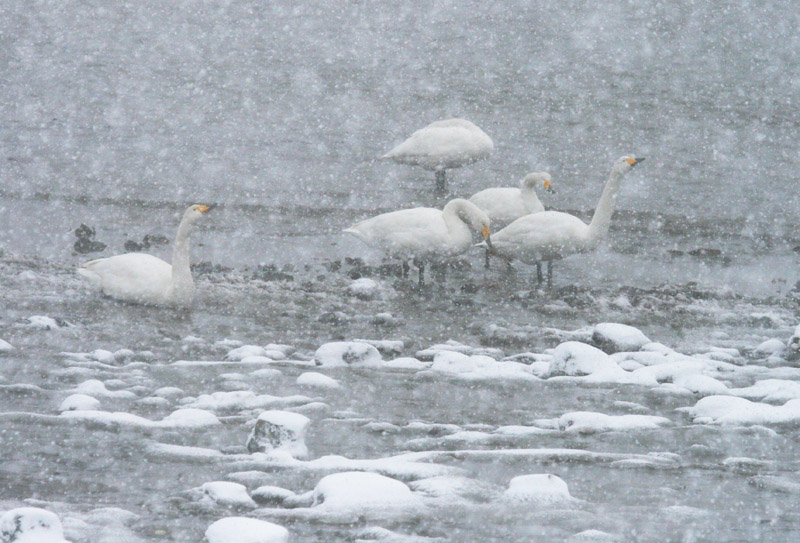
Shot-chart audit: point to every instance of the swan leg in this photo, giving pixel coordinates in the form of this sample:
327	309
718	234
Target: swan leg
539	276
421	265
549	274
406	269
486	259
441	183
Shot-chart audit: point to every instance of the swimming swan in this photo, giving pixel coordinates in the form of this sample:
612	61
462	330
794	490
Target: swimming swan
443	145
146	279
506	204
425	234
552	235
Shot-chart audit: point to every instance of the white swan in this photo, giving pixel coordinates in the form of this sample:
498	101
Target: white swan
424	234
504	205
552	235
146	279
443	145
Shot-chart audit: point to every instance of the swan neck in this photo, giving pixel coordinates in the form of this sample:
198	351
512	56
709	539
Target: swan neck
182	283
531	199
452	215
601	220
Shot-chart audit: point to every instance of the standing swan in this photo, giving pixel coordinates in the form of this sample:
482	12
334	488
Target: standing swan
423	233
146	279
443	145
507	204
552	235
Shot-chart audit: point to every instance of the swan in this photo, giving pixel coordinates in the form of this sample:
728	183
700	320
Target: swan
424	234
506	204
552	235
443	145
146	279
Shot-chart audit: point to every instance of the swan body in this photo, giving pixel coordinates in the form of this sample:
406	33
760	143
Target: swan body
443	145
424	233
552	235
146	279
504	205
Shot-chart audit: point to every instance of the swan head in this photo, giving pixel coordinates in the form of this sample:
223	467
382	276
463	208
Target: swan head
473	216
538	180
624	164
195	212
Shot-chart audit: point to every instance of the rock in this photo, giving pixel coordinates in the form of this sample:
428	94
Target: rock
42	322
245	351
770	347
227	494
357	492
79	402
271	495
612	337
539	489
576	358
31	525
364	288
246	530
793	345
279	431
347	353
314	379
385	346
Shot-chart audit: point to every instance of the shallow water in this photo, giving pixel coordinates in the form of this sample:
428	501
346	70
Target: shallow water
118	116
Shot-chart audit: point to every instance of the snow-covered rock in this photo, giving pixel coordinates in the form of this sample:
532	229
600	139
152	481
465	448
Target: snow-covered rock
541	489
364	288
245	351
281	431
79	402
267	494
770	347
348	353
576	358
612	337
585	422
318	380
793	345
362	493
31	525
732	410
246	530
227	494
42	322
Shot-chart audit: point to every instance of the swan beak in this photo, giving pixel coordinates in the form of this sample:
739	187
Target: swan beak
486	235
206	209
549	187
635	161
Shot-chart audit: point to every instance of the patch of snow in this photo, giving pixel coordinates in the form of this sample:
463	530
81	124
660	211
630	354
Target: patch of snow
613	337
246	530
79	402
318	380
347	354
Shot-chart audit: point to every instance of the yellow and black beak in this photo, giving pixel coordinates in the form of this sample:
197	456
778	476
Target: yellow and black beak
548	186
635	161
205	209
487	236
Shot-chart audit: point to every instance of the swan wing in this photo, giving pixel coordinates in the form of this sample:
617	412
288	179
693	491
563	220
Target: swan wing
411	232
137	277
549	235
502	204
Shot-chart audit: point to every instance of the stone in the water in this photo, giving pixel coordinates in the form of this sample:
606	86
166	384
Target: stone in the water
31	525
227	494
273	495
537	489
364	288
279	431
79	402
358	492
613	337
576	358
246	530
347	353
